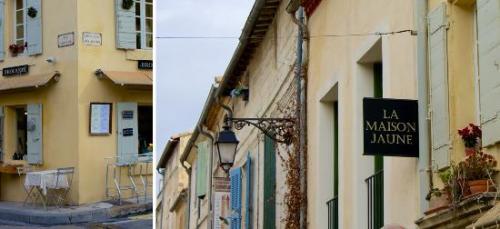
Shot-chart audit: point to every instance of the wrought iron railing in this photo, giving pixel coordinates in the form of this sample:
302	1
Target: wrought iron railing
375	185
333	213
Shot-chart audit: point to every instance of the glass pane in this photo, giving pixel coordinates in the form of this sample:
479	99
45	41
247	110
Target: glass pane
19	4
149	10
149	40
149	25
138	24
19	17
20	42
151	1
19	31
138	40
137	9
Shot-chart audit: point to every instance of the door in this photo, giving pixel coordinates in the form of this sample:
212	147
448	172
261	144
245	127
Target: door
127	132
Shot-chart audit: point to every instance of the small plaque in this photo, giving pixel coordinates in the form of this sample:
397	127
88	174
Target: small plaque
145	64
92	39
65	40
128	132
127	114
16	70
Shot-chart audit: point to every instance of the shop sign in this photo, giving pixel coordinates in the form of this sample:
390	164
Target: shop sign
390	127
92	39
145	64
65	40
16	70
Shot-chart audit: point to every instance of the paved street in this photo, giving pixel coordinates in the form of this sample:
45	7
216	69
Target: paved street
131	222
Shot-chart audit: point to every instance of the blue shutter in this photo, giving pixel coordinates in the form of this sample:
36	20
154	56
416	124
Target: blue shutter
438	73
34	129
248	207
34	28
235	176
125	26
127	128
488	38
2	28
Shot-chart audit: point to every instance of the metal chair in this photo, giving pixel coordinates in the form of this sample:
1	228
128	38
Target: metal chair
30	194
114	176
60	190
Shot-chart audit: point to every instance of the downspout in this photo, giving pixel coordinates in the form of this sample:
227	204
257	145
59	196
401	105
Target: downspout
301	83
425	161
188	209
209	135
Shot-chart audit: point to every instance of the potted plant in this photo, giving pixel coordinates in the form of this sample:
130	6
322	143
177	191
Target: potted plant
441	198
471	136
16	49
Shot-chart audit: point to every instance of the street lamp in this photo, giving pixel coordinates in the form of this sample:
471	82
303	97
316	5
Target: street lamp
279	129
226	145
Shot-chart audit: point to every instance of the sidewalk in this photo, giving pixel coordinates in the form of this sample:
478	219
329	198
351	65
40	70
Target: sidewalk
96	212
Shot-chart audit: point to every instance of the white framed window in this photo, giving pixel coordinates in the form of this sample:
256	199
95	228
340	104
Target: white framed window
19	22
144	24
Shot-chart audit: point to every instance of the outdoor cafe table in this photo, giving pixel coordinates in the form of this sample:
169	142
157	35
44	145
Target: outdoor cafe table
41	181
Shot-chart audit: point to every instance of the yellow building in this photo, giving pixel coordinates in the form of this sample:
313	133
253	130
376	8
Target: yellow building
58	58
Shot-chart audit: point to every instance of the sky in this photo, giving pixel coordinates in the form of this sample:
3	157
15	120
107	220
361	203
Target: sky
185	68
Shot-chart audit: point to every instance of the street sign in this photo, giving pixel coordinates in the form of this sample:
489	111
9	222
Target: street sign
390	127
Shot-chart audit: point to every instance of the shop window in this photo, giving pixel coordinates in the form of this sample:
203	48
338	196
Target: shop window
145	129
19	22
144	24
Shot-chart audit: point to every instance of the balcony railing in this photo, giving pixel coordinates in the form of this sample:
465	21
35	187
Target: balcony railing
375	185
333	213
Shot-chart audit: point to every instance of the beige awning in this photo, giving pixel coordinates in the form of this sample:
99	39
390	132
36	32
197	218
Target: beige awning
127	78
11	83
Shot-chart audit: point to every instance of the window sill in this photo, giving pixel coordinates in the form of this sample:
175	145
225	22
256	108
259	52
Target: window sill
139	54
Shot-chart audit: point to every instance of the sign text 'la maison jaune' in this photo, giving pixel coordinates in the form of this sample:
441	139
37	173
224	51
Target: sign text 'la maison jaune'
390	127
16	70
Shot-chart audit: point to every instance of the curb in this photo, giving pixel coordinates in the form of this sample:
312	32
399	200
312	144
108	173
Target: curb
39	217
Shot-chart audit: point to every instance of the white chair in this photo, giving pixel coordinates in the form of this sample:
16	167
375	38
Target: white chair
30	193
61	189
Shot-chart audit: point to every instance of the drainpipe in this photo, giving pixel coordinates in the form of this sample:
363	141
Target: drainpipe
425	161
188	209
209	135
301	83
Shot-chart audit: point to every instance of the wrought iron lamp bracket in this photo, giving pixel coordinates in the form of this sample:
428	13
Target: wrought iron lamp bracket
279	129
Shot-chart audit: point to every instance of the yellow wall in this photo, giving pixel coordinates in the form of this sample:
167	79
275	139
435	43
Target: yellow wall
66	141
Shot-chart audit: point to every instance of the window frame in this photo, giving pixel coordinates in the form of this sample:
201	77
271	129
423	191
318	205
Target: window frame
15	24
142	19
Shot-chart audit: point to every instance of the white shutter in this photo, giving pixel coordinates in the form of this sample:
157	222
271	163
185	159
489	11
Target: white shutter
125	26
34	129
1	132
438	73
488	27
2	28
127	128
34	28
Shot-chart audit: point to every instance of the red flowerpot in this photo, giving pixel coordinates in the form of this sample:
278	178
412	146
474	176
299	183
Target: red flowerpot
480	186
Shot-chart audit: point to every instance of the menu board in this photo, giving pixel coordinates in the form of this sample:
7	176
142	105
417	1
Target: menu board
100	118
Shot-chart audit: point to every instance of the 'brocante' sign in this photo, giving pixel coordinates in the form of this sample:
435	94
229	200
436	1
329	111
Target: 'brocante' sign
390	127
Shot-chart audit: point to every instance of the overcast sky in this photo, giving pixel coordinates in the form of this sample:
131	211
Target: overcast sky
185	68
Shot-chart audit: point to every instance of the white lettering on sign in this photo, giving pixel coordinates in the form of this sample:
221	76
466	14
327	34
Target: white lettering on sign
92	39
65	39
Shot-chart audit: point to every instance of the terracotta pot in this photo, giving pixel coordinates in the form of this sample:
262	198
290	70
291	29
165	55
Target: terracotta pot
480	186
439	201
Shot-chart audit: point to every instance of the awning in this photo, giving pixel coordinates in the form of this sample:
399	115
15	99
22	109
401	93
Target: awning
134	79
27	81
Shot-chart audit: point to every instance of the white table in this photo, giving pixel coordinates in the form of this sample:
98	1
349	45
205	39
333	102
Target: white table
44	180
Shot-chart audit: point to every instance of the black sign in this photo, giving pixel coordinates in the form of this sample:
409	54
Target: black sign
390	127
16	70
127	114
128	132
145	64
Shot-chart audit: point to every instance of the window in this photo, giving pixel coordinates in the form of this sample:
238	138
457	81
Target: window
144	24
19	22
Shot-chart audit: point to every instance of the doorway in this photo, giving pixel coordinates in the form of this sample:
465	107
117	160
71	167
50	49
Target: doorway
145	118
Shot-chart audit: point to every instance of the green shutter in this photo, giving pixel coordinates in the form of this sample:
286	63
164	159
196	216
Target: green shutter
488	37
269	184
34	129
202	169
34	28
125	26
438	73
2	28
248	206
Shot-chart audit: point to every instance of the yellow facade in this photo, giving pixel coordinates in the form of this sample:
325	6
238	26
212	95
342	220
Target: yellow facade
66	138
